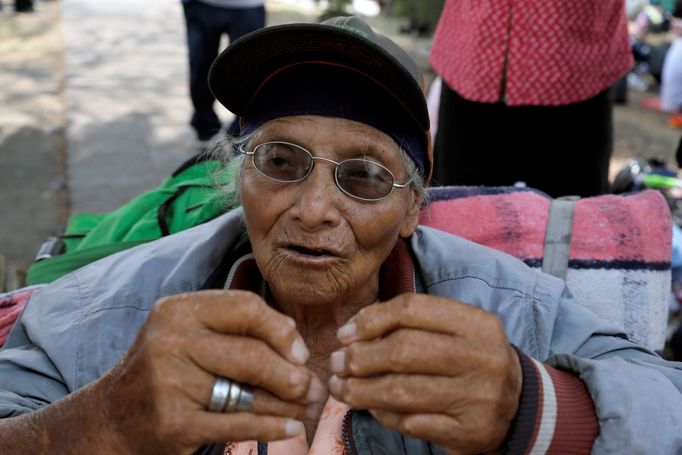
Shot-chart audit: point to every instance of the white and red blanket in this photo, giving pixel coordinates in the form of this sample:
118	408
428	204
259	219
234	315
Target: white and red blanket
619	257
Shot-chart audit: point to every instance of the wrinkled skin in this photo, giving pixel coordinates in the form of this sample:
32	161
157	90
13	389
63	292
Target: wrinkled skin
356	235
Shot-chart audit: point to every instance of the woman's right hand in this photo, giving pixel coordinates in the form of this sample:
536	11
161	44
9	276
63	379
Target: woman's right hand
156	397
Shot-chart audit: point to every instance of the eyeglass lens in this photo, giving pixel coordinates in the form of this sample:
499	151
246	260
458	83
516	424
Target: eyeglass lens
291	163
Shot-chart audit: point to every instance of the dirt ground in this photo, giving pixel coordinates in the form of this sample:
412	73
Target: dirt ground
642	132
33	192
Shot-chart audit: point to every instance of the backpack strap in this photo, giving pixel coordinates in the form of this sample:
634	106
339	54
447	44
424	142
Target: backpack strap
558	236
198	158
164	206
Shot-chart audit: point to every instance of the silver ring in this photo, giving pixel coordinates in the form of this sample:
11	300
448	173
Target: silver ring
245	400
240	398
219	394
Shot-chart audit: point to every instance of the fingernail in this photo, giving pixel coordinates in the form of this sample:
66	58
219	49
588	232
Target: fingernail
315	390
293	428
299	352
347	331
335	384
338	361
296	377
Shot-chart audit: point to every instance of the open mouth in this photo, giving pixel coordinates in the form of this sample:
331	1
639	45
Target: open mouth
315	252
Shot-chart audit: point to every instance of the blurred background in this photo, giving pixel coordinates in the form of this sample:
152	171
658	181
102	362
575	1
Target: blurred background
94	100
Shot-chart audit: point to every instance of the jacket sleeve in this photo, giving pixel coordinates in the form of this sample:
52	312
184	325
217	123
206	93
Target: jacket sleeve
592	375
34	369
556	414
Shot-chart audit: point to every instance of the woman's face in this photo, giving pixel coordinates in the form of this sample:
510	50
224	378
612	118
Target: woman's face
313	243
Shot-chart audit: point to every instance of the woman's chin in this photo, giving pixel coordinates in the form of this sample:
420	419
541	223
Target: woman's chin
304	292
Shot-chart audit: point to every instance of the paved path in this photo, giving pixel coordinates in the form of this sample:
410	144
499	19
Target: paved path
127	105
32	187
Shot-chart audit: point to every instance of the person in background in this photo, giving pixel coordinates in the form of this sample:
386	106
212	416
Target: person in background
422	15
671	79
526	92
207	21
22	6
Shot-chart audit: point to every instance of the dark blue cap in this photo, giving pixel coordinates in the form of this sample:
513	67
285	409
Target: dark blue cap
241	73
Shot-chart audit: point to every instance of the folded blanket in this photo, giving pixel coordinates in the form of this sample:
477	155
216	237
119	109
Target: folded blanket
619	256
11	304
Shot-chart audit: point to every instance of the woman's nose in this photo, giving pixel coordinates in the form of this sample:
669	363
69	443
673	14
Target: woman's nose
318	198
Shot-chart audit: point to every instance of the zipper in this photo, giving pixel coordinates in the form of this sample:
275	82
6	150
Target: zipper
347	430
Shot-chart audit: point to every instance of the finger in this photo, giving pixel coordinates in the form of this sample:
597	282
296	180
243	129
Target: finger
265	403
250	360
482	402
206	427
239	313
405	393
424	312
443	430
404	351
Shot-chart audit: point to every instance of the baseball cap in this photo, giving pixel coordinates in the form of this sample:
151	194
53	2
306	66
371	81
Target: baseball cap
244	67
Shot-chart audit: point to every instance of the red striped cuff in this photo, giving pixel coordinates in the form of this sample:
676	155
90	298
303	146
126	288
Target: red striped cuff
556	414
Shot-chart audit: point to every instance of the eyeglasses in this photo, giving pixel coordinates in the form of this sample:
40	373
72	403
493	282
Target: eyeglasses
358	178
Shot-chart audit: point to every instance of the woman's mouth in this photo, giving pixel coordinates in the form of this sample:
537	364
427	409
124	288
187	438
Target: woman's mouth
311	252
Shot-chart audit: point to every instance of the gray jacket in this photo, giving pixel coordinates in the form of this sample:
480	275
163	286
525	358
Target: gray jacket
74	330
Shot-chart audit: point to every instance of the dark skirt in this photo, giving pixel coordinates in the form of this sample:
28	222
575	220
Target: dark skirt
561	150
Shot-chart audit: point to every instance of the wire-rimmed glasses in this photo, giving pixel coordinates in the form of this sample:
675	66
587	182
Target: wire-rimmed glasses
358	178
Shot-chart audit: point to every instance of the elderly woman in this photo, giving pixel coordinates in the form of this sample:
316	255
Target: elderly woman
320	317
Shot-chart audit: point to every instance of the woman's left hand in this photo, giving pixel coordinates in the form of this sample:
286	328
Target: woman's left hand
432	368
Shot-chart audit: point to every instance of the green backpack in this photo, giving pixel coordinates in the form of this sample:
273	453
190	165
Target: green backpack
192	195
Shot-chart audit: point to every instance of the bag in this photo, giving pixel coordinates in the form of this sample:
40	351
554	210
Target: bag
192	195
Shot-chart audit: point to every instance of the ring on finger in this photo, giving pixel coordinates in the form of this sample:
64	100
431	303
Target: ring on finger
219	394
240	398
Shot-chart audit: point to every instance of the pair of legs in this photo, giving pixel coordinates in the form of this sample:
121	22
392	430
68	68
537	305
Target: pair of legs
205	25
22	6
561	150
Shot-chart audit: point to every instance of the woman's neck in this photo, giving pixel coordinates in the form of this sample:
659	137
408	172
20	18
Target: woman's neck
318	324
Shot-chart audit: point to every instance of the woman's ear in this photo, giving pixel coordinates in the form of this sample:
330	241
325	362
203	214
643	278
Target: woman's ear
411	220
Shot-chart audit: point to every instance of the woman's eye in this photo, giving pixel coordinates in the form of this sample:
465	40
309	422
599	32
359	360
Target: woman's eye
366	173
278	161
361	174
